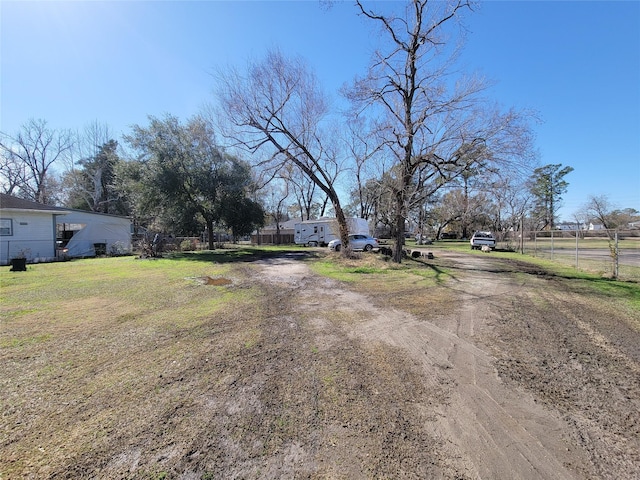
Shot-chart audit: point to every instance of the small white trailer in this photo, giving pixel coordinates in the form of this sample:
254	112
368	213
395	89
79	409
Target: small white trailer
320	232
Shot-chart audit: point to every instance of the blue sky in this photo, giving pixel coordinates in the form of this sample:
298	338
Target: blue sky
576	63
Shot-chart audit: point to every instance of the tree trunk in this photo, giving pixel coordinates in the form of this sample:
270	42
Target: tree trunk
210	228
399	227
401	204
342	226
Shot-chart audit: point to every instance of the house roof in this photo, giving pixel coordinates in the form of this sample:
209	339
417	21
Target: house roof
15	203
288	225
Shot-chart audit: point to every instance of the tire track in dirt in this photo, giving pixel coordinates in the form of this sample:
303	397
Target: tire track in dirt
596	381
504	432
487	429
370	399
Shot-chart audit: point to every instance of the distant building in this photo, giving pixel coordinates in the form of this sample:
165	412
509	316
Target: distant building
634	225
268	235
570	227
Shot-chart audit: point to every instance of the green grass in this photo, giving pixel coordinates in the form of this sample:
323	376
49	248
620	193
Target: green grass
115	285
389	284
124	288
570	243
345	272
373	266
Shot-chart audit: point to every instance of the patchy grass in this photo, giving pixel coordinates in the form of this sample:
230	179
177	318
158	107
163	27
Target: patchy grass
582	282
94	350
373	273
119	364
402	285
367	267
140	369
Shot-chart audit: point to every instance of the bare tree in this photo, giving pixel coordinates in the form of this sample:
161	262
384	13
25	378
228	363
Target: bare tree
514	198
363	146
600	209
278	105
90	176
36	148
89	179
302	188
434	131
13	172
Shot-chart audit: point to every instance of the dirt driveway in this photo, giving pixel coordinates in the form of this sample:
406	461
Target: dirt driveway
524	377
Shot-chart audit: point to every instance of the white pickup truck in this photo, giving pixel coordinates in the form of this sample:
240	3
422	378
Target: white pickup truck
481	239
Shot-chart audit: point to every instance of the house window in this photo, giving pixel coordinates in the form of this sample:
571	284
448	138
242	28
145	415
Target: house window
6	226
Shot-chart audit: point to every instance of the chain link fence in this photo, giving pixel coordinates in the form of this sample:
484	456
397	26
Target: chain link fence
610	253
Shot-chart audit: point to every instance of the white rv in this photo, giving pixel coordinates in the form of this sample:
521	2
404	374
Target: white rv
321	231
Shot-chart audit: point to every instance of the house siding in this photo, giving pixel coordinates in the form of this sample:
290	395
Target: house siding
33	236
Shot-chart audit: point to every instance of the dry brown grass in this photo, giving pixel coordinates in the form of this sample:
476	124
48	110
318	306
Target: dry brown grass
125	368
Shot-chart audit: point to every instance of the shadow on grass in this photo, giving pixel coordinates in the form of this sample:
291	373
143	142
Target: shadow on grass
441	275
242	254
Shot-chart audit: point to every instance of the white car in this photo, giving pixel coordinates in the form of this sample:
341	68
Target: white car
481	239
356	242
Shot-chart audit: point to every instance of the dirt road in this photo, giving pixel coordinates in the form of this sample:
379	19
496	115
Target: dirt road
522	378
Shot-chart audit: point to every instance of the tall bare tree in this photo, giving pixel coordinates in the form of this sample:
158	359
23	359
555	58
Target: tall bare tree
89	177
434	130
34	151
278	105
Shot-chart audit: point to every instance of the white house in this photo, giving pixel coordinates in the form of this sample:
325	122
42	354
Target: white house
35	231
86	234
27	229
570	227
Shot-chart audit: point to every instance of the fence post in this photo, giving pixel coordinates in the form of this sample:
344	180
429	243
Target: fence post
521	235
615	257
577	248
